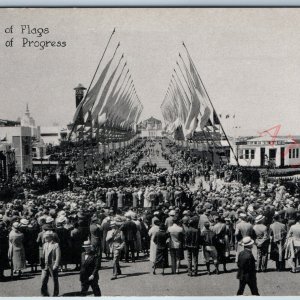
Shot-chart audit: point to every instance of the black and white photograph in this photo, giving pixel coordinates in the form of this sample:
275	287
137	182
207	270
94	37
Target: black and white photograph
149	152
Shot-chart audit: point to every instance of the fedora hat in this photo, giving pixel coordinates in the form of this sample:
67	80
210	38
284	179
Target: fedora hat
247	241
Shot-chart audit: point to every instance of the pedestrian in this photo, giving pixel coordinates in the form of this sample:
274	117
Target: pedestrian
129	229
152	232
76	242
176	245
278	232
209	247
243	229
262	243
16	249
50	264
192	244
4	262
222	233
246	268
116	240
293	244
96	234
89	271
161	257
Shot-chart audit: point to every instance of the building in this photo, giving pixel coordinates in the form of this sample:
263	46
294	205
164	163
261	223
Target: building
267	151
53	134
7	161
151	127
20	140
19	136
28	121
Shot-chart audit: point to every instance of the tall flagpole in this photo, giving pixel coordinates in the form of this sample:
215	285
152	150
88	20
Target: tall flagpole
207	141
82	101
211	103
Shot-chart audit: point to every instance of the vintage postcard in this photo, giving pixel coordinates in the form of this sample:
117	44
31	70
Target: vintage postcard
149	151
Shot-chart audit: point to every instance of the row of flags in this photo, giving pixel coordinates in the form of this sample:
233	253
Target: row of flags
186	104
112	101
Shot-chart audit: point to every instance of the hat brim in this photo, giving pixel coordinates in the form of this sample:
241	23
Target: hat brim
248	244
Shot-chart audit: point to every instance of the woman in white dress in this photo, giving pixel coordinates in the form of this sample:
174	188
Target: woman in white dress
16	252
152	232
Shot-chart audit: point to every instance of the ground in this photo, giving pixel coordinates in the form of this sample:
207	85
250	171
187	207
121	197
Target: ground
138	280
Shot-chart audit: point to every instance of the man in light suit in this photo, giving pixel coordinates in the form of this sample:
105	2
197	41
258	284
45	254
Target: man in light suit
243	229
176	245
49	263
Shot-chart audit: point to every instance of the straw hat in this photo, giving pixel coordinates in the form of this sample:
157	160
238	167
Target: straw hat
24	222
49	220
247	241
259	218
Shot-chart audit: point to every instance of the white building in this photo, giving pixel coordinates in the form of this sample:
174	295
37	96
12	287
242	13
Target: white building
151	127
267	151
53	134
20	139
28	121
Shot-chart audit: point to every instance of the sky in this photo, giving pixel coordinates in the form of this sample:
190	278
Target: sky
248	59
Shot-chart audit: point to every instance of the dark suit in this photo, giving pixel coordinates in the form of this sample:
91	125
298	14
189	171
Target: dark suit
192	243
247	272
96	234
129	230
89	266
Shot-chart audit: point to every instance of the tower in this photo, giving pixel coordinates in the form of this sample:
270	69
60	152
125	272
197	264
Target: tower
79	93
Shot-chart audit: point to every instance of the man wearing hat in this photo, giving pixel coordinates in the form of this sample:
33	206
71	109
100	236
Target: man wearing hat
96	233
243	229
129	230
192	243
3	247
262	243
278	232
209	247
90	264
116	240
169	220
246	268
49	263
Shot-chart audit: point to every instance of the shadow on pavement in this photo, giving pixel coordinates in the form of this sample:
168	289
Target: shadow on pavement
136	274
68	274
76	294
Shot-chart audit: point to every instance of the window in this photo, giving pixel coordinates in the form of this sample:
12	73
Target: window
241	154
252	153
290	153
297	152
247	154
294	153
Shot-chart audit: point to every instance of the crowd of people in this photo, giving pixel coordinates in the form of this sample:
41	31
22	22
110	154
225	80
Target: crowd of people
128	213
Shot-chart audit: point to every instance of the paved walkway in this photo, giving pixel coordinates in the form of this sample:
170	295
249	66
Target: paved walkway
137	280
154	158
